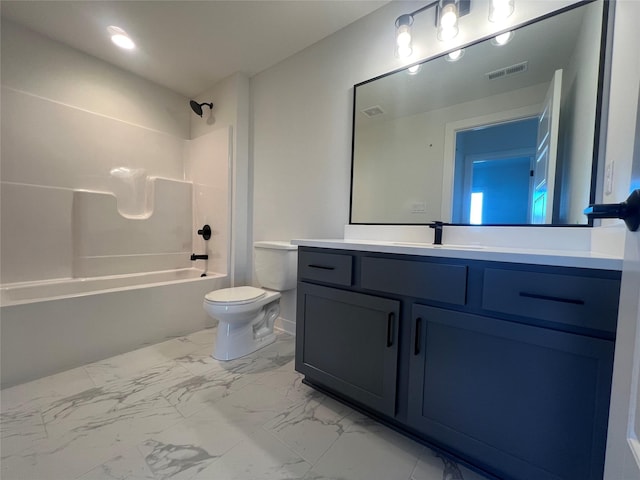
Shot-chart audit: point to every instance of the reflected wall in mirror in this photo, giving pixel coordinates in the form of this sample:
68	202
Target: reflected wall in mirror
505	134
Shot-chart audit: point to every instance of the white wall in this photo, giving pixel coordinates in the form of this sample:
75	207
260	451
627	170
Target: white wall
45	68
302	114
623	99
625	84
578	112
231	110
208	166
68	120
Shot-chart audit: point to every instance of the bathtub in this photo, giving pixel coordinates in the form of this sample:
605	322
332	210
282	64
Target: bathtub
54	325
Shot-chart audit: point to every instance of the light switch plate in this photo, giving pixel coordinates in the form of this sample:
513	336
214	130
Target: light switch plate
608	179
418	207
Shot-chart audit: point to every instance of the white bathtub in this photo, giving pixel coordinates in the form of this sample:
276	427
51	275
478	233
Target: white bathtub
50	326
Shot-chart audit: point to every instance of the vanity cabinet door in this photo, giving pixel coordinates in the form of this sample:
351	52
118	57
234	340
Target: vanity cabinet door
348	342
523	402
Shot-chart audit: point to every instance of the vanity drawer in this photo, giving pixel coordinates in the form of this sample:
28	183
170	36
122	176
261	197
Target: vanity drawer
325	267
440	282
581	301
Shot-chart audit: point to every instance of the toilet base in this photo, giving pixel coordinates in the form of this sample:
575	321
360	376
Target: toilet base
244	327
231	345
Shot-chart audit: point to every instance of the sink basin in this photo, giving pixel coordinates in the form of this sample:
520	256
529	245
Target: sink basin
445	246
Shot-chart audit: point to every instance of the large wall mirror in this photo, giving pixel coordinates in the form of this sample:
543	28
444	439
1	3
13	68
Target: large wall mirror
499	133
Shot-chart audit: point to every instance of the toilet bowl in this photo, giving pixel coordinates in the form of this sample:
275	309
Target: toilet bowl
245	319
246	314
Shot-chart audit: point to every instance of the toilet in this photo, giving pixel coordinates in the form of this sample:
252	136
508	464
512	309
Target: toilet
246	314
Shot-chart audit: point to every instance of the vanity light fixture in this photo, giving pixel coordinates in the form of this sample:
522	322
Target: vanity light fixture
500	10
121	38
447	20
403	35
502	39
455	55
447	14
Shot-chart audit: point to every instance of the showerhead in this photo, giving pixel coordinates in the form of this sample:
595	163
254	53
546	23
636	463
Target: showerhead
197	107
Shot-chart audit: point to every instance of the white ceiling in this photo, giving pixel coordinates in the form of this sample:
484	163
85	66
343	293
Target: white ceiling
188	46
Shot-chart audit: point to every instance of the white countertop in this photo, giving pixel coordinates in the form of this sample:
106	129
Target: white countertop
561	258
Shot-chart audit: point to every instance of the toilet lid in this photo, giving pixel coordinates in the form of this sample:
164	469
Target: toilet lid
235	295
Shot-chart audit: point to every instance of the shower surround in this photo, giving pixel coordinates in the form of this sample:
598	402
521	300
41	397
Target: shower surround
98	222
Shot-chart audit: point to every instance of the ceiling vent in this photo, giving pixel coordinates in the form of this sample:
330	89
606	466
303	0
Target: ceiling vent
374	111
508	71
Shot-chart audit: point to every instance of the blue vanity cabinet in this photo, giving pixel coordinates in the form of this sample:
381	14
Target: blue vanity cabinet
521	401
346	341
505	366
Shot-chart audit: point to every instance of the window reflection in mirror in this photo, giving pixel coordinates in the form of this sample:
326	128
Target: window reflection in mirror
505	134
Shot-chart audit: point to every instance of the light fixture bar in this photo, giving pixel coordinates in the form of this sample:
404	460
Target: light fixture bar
426	7
449	10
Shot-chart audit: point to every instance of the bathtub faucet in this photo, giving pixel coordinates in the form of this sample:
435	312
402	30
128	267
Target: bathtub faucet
195	257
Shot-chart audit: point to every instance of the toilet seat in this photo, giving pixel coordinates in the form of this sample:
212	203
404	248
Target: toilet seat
235	295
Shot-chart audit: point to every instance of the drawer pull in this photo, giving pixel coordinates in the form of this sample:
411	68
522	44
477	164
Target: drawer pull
537	296
416	343
390	319
322	267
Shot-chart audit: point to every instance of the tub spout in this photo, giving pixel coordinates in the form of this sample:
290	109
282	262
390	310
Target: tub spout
199	257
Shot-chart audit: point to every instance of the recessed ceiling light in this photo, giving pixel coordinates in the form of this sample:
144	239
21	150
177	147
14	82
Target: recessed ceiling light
121	38
414	69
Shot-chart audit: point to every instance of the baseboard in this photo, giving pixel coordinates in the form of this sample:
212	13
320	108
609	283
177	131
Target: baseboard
284	325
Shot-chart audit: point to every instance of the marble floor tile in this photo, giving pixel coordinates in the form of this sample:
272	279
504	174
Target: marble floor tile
271	357
200	361
188	447
131	364
172	412
260	456
310	428
367	450
127	464
40	392
77	445
435	465
203	337
197	392
431	465
20	429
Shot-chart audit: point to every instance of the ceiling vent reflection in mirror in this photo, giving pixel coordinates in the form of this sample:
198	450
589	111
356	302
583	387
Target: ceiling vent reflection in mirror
373	111
508	71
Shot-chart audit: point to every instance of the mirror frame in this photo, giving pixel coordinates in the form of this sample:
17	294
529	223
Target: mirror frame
601	117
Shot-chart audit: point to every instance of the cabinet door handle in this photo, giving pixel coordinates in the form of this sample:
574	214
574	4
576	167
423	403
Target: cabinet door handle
322	267
416	340
537	296
390	319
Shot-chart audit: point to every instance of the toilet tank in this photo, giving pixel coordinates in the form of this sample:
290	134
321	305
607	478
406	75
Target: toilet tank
276	264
